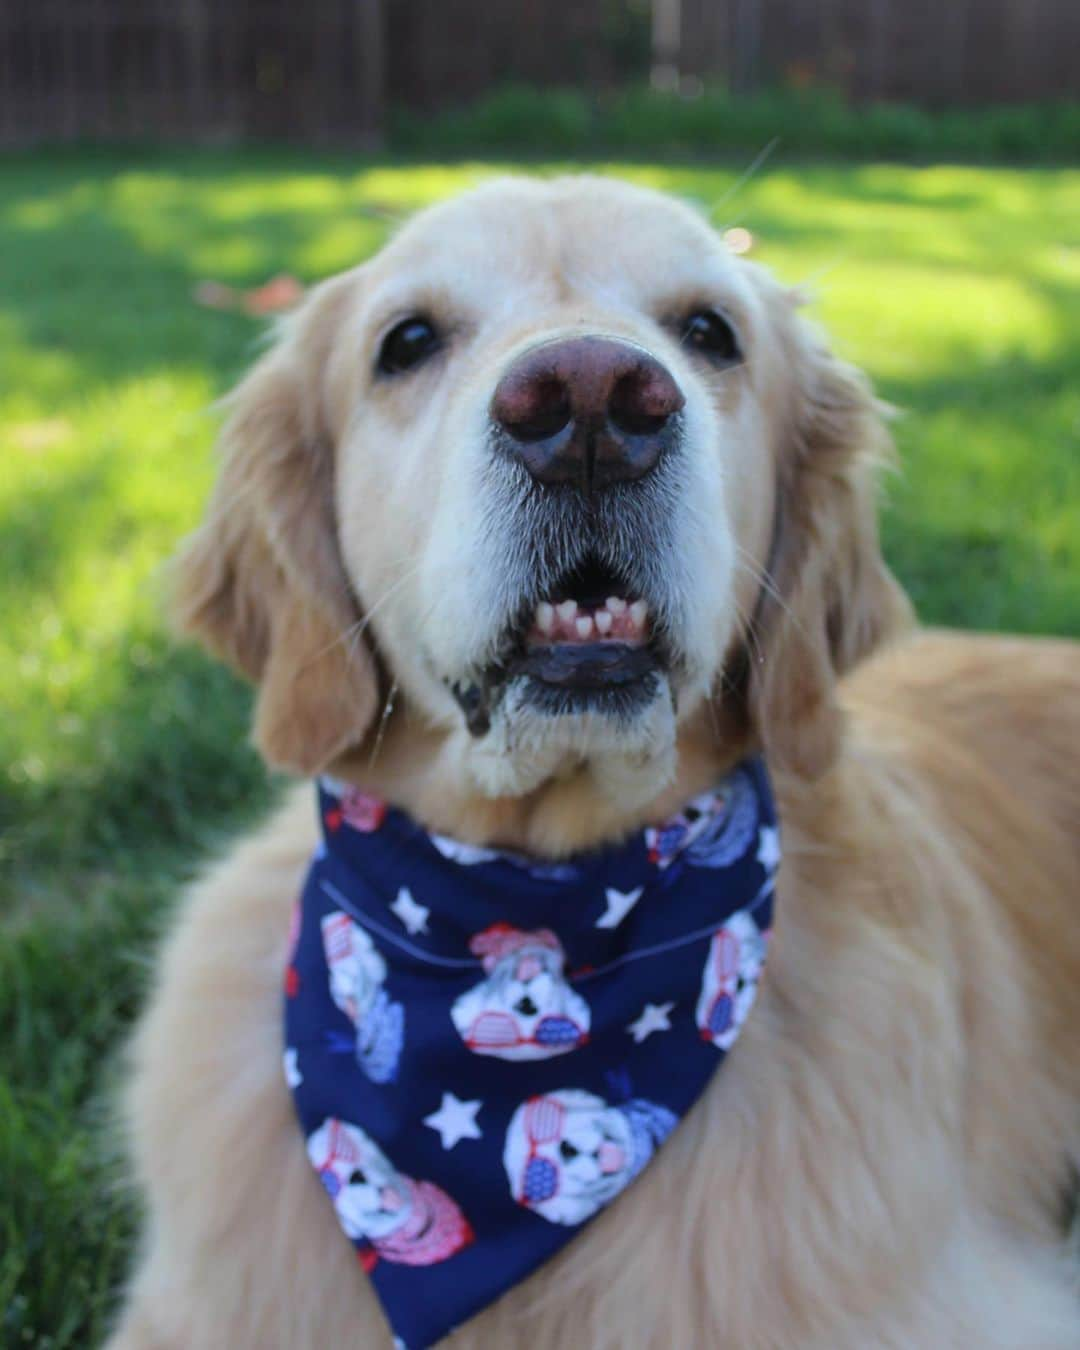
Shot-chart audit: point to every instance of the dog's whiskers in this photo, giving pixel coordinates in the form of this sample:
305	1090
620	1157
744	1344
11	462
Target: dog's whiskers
755	165
765	579
388	708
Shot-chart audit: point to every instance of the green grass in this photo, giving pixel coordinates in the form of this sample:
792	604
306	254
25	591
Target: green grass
122	759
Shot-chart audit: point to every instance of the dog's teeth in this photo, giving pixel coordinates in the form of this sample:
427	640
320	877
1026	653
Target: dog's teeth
566	610
603	621
616	605
638	610
583	626
545	617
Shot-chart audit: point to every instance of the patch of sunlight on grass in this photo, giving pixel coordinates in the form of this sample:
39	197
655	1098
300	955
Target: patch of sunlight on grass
409	187
923	321
84	527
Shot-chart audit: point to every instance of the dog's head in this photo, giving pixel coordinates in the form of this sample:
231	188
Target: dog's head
569	1153
560	470
523	1008
372	1200
357	971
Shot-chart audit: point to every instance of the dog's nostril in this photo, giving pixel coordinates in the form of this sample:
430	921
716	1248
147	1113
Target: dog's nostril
532	409
643	399
635	410
552	413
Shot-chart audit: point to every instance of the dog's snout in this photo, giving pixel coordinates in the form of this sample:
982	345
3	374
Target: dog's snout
588	411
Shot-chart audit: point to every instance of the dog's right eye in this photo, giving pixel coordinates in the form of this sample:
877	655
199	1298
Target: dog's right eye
406	345
567	1151
357	1178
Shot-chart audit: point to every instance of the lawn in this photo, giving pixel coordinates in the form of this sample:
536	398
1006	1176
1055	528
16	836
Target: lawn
123	760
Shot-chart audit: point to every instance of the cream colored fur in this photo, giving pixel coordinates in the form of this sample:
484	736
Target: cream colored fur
883	1161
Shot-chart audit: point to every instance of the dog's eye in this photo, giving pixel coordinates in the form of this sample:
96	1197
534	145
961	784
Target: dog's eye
567	1151
357	1178
407	344
712	335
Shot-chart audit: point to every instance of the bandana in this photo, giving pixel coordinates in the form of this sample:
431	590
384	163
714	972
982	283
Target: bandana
484	1050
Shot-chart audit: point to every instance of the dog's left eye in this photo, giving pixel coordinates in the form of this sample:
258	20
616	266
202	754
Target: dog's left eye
711	334
407	344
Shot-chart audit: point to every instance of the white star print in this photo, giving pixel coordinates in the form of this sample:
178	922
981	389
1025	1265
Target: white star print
455	1120
654	1017
412	915
619	905
768	854
293	1076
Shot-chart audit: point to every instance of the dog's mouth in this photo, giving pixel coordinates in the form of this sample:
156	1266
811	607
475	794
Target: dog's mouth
590	644
591	633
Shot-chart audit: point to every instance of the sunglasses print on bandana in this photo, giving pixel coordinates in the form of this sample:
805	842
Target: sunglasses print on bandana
714	830
409	1222
569	1152
524	1008
542	1124
356	973
729	982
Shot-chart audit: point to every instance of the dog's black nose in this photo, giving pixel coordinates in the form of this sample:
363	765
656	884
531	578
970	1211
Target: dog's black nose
589	411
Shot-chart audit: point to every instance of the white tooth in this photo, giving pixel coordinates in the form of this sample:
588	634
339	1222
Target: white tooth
616	604
566	610
638	610
603	621
545	616
584	626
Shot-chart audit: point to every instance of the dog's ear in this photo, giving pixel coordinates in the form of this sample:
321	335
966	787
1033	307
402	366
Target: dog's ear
829	600
262	582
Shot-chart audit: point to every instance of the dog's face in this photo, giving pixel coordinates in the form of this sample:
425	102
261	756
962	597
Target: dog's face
357	971
568	1154
524	1008
540	461
551	468
732	970
371	1198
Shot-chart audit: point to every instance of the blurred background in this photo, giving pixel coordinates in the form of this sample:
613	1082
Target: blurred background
347	71
173	173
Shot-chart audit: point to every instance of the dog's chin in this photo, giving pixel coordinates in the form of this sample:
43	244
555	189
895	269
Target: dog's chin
547	725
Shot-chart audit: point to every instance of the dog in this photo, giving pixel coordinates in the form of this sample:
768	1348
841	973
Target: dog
357	973
534	526
569	1152
524	1008
414	1223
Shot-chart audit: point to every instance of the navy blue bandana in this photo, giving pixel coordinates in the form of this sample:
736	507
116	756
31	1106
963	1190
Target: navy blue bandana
485	1050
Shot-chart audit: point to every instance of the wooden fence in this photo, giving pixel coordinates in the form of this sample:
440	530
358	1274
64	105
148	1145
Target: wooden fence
932	52
108	69
278	69
327	69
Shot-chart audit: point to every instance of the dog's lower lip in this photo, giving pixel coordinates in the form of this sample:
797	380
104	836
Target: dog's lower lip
586	665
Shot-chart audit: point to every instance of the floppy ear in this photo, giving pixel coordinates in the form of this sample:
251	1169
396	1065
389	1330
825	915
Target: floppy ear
261	582
835	601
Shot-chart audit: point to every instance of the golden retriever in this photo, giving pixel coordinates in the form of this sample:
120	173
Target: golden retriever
886	1159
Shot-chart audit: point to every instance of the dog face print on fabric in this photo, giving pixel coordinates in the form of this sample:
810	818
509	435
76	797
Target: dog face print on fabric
414	1223
359	810
712	830
357	973
523	1008
729	983
569	1153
